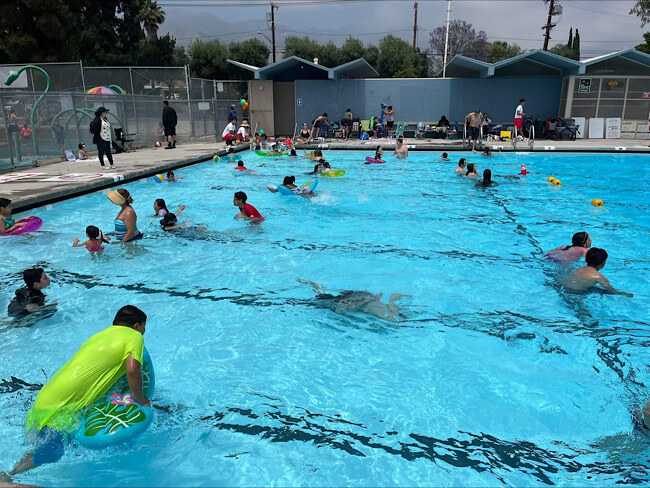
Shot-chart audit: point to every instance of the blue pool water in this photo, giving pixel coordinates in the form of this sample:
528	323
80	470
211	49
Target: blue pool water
494	375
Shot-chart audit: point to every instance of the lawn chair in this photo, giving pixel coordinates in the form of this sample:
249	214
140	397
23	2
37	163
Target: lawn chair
410	130
399	129
365	126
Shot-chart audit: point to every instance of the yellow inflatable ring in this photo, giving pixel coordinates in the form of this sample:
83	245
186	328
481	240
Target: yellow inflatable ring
597	202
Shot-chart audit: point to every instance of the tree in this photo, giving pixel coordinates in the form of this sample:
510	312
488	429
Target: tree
208	59
463	39
351	49
152	15
563	50
570	42
576	46
502	50
157	52
303	47
251	51
180	56
398	59
645	47
642	10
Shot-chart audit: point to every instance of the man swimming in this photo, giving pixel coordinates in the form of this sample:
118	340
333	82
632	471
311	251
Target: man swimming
589	277
350	301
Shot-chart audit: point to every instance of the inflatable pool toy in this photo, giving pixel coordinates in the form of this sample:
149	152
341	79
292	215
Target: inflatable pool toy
597	202
523	171
158	178
25	226
370	160
271	154
333	173
308	187
115	417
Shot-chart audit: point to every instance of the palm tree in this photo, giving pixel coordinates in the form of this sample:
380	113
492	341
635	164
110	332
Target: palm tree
151	16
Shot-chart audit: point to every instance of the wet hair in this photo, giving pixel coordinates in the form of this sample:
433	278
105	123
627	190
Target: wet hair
471	168
462	162
81	145
579	239
596	257
293	152
129	315
4	202
487	150
240	163
288	180
162	205
165	102
445	155
127	196
400	140
168	220
32	276
240	195
326	164
92	232
318	152
487	176
170	173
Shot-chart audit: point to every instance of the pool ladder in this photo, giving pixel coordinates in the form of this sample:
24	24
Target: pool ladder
531	139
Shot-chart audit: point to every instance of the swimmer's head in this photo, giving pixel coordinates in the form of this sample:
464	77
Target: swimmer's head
445	155
462	162
487	176
471	168
581	239
287	180
93	232
326	164
131	316
240	164
596	257
169	220
239	199
293	152
170	175
159	204
36	278
400	140
318	152
5	207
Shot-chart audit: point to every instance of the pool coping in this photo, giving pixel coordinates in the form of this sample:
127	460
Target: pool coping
58	195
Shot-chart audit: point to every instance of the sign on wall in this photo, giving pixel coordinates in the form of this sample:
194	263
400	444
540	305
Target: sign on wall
220	86
584	85
204	105
299	101
613	128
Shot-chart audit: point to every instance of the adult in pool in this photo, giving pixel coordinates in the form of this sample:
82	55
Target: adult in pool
460	169
100	362
589	277
126	221
350	301
580	244
401	149
471	171
487	179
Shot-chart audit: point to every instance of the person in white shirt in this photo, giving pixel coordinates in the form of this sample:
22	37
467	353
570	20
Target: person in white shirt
243	134
228	133
519	118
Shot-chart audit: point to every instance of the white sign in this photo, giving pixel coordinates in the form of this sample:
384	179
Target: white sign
613	128
581	125
299	101
219	86
204	105
596	127
21	82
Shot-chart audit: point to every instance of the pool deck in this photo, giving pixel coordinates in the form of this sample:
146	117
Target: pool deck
48	183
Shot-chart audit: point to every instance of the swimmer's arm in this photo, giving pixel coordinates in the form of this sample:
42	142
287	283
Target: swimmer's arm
76	243
180	210
134	377
610	289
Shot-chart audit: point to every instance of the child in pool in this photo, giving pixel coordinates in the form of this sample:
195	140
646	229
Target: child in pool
379	153
160	208
171	177
589	276
444	157
460	169
169	223
95	241
30	299
580	244
7	223
240	166
471	171
246	210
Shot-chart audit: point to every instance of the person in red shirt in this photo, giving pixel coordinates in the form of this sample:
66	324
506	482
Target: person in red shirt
240	166
246	210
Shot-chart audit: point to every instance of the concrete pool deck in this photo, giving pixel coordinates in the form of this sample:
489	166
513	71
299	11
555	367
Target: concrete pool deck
33	187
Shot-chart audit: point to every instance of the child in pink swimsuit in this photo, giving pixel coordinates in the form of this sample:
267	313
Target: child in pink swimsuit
95	241
580	244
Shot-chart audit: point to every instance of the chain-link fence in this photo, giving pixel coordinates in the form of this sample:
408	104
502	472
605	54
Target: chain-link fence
61	117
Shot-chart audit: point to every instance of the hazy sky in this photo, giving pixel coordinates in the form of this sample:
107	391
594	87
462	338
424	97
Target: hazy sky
604	25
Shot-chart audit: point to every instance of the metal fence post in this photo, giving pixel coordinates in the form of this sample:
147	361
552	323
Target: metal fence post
189	102
83	78
135	110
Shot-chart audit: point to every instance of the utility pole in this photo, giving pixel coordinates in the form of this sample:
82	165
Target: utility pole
273	7
415	24
444	62
549	23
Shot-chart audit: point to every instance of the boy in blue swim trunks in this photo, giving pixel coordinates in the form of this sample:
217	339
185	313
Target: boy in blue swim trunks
104	358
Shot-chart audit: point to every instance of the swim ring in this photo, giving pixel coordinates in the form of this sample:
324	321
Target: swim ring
333	173
370	160
115	417
25	226
308	187
271	154
554	181
158	178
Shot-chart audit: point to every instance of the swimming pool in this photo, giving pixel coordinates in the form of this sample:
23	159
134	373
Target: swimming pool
494	376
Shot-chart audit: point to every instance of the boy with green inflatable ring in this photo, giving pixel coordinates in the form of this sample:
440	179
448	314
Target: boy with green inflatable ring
99	363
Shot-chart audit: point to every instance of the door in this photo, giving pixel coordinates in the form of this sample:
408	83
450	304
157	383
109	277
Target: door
260	96
284	110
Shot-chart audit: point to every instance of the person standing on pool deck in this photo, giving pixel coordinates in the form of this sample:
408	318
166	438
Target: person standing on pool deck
103	359
169	121
100	128
519	118
246	210
126	221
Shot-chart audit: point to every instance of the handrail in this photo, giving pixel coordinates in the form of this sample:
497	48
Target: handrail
531	136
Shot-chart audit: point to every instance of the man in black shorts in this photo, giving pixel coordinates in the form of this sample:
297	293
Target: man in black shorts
169	120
